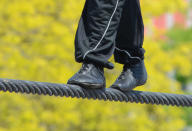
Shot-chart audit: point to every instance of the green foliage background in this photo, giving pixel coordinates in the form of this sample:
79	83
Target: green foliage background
37	43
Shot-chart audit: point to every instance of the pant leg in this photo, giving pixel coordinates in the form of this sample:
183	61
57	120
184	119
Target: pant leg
97	30
130	35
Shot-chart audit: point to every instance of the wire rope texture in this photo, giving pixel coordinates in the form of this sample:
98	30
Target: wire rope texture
108	94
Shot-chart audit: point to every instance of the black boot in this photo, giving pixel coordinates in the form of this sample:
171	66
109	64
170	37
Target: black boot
131	77
89	76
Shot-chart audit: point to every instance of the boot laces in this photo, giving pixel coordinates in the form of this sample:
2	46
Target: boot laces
84	68
122	75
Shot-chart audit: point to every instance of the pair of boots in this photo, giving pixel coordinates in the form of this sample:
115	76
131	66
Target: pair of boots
92	76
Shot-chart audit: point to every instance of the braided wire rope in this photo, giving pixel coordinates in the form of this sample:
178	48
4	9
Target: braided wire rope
52	89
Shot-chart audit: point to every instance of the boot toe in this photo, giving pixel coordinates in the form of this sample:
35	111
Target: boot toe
128	86
86	81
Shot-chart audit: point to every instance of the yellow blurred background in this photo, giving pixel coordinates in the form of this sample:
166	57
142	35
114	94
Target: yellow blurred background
37	44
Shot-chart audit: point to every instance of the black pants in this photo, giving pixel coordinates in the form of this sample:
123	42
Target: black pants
110	27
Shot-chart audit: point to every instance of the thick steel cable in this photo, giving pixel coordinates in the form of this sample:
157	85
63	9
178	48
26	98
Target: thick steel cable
51	89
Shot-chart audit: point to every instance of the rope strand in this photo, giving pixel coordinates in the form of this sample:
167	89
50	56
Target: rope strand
51	89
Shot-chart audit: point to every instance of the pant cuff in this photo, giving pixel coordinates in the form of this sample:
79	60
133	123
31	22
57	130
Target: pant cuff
131	57
94	60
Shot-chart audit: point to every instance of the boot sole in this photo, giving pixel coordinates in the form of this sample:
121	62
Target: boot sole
87	85
128	89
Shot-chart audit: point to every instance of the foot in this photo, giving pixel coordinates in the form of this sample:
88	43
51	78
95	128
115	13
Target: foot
131	77
89	76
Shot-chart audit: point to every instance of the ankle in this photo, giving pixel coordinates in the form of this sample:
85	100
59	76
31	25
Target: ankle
94	65
129	65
